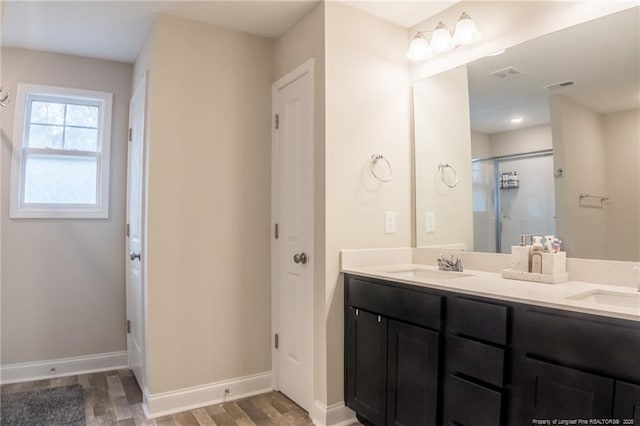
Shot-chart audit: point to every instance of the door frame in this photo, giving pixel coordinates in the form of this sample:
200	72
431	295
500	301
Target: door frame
308	68
141	86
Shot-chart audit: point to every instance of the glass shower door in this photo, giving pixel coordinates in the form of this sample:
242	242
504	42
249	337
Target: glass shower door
530	208
484	205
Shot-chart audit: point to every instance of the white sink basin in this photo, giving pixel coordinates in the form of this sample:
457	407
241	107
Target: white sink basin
612	298
428	274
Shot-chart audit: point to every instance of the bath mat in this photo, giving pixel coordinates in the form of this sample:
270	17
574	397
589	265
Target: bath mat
57	406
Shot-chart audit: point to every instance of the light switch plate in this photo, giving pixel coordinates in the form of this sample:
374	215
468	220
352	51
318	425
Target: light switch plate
390	222
430	222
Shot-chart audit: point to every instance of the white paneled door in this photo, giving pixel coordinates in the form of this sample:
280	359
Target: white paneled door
292	239
135	229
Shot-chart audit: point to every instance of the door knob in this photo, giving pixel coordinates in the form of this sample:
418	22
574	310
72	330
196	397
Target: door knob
300	258
134	256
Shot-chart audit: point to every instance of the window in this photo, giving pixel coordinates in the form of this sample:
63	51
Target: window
60	164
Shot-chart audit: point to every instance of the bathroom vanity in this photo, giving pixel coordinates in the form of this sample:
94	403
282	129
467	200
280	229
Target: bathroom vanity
427	347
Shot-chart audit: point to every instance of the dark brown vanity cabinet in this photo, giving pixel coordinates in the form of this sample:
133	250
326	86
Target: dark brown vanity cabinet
418	356
392	366
476	342
574	366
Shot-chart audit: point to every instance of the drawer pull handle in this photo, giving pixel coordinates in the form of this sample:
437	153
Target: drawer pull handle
379	318
357	312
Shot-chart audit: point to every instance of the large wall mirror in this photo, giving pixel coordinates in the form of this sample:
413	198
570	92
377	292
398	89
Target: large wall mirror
543	138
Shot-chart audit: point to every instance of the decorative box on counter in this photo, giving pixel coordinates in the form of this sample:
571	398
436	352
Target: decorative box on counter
554	267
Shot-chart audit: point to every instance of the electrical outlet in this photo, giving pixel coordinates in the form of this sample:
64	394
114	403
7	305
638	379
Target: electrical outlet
430	222
390	222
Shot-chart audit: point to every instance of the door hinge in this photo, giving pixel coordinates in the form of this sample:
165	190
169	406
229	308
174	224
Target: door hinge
277	121
128	230
128	326
275	231
276	343
130	134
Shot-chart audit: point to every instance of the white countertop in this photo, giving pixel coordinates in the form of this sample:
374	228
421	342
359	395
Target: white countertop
492	285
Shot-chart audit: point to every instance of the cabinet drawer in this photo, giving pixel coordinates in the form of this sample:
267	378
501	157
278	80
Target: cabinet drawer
475	359
484	321
410	306
468	404
586	343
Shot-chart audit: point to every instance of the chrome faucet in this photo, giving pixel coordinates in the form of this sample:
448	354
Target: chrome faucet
445	264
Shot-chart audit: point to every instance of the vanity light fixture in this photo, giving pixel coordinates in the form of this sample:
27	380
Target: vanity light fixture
442	40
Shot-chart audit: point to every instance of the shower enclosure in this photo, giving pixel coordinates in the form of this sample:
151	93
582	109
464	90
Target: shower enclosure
512	195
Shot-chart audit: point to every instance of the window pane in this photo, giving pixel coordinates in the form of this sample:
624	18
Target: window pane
57	179
45	136
47	112
82	115
81	138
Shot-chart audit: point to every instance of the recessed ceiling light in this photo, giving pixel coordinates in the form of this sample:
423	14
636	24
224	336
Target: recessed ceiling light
516	120
499	52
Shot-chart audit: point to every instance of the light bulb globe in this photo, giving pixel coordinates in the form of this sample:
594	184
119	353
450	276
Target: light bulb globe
441	40
419	49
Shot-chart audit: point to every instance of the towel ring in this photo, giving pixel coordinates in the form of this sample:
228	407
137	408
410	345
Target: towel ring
373	161
441	169
5	101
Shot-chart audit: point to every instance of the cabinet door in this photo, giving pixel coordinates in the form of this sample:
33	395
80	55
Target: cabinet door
469	404
554	392
627	402
412	392
366	375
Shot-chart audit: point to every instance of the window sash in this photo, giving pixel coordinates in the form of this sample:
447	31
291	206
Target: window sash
26	94
31	97
26	152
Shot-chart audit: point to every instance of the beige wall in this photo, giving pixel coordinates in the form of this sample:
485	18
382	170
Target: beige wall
442	135
621	132
301	42
579	150
529	139
63	281
209	102
480	145
367	112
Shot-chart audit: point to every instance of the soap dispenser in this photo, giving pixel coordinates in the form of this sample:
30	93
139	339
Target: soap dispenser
535	258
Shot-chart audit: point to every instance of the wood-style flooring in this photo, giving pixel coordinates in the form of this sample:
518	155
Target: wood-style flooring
114	398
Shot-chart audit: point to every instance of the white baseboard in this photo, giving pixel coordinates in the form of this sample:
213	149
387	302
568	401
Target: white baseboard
28	371
332	415
162	404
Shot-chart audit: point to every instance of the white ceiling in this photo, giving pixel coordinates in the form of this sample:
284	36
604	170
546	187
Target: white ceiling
111	29
403	13
602	57
115	30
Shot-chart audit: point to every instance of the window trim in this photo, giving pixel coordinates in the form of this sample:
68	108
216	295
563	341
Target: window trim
99	210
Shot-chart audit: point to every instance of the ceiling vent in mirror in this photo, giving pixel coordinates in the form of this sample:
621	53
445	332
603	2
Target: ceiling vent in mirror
506	73
554	86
